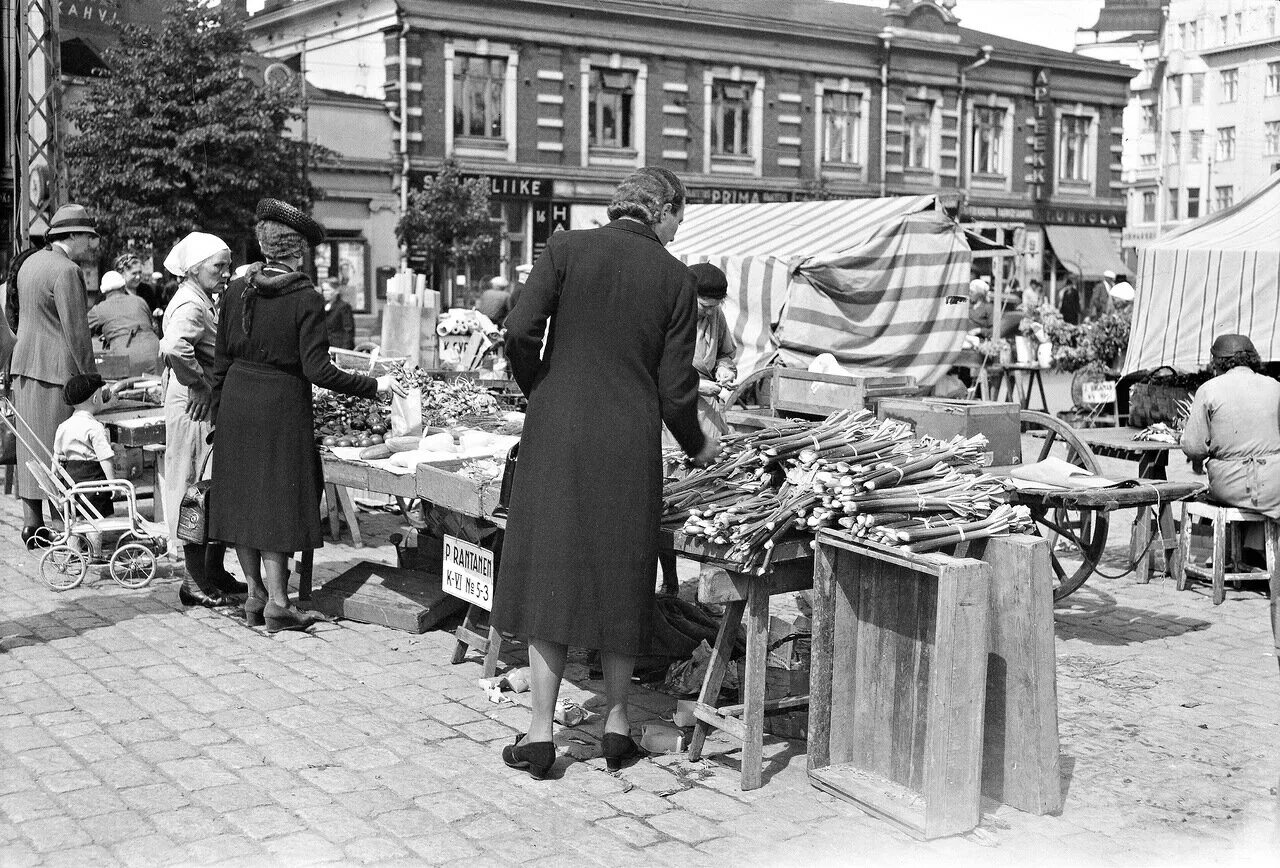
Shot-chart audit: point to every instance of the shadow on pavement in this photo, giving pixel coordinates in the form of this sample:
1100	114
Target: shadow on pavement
1093	616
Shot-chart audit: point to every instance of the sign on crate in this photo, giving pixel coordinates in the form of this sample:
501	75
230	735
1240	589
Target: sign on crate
468	572
1098	392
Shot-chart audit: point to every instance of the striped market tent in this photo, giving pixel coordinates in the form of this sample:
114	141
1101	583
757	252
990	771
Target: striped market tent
862	279
1217	275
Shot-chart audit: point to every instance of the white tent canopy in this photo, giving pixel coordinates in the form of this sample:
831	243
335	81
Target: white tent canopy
863	279
1216	276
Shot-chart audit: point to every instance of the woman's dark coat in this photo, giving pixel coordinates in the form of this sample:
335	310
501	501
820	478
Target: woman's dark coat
579	558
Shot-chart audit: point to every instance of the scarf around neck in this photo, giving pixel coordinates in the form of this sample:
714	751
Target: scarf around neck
257	284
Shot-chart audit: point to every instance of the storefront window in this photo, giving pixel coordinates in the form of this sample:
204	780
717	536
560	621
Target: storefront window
610	112
344	262
478	96
731	118
917	126
988	140
841	127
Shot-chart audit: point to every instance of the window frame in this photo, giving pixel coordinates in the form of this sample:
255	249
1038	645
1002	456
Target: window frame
825	92
1224	196
1088	184
1271	138
1197	88
1193	199
501	147
1175	147
1272	86
751	162
1225	148
1195	146
1148	206
1002	141
594	154
929	128
1171	207
1174	90
1228	85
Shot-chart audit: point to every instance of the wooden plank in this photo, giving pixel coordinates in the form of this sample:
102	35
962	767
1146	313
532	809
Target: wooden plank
378	594
1272	531
821	659
876	795
457	492
714	678
348	473
349	509
754	684
713	718
719	585
770	706
1021	764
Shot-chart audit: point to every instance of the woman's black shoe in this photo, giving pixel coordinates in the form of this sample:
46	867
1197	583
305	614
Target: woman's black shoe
279	618
535	757
37	537
619	749
190	594
226	583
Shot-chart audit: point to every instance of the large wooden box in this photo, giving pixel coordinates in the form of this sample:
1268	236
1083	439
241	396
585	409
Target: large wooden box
372	593
946	418
898	683
797	391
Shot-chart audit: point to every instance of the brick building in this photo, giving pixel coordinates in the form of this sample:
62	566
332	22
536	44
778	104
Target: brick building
747	100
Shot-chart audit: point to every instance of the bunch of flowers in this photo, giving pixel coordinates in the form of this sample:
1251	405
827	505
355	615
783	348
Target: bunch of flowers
1097	344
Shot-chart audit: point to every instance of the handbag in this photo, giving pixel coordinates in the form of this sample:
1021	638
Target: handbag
193	513
1155	398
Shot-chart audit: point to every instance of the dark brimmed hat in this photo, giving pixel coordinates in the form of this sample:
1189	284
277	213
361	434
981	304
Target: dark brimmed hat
283	212
711	281
81	387
69	219
1226	346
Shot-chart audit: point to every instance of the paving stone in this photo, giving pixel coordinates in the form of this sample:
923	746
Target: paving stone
91	801
197	773
266	821
55	833
78	857
373	849
230	797
150	850
64	782
631	830
27	804
109	829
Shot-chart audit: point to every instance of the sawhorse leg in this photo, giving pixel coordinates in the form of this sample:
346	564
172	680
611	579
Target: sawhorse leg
469	636
339	497
714	678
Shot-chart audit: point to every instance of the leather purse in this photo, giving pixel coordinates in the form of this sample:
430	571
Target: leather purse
193	513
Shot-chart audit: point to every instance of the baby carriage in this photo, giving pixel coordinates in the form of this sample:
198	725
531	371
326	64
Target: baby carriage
137	545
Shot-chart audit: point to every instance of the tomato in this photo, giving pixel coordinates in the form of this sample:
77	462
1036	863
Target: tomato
378	429
329	441
343	441
376	438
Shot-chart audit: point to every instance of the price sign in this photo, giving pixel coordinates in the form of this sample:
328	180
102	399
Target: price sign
1098	392
468	572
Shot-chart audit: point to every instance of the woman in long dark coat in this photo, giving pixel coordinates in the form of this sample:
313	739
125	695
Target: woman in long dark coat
581	543
272	346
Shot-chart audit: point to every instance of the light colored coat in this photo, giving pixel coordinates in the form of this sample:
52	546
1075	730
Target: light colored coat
1235	424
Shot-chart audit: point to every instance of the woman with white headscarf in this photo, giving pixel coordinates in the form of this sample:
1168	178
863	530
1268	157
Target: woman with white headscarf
202	262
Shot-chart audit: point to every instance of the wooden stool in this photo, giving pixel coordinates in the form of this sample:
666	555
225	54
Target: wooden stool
1227	521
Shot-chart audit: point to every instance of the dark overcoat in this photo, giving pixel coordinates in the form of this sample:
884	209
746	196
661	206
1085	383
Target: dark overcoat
579	559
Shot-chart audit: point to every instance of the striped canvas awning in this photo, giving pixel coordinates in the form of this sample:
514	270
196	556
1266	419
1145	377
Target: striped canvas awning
863	279
1217	275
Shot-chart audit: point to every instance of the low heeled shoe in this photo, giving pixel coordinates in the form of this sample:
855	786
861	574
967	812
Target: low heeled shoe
253	609
620	750
190	594
279	618
227	583
535	757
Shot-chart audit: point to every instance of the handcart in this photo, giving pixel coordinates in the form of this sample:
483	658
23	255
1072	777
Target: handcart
136	544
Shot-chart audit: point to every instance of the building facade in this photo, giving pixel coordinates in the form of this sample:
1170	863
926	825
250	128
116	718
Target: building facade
1212	103
746	100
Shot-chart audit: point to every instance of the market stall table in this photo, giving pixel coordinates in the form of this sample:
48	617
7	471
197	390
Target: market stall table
1015	386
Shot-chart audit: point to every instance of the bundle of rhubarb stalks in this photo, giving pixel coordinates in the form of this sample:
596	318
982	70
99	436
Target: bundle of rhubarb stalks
869	477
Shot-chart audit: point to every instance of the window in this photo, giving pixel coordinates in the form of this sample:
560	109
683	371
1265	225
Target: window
1196	146
1173	203
1175	90
1148	161
841	127
1222	29
479	85
1273	78
1191	36
1197	88
1149	119
1228	84
731	118
1238	20
1182	36
1193	203
1149	206
609	115
1271	138
1226	144
343	262
1223	198
988	140
917	133
1271	21
1175	148
1073	148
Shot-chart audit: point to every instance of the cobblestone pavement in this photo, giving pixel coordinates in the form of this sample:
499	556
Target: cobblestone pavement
133	732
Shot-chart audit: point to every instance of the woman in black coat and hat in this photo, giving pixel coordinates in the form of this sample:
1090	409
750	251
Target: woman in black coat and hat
581	545
272	346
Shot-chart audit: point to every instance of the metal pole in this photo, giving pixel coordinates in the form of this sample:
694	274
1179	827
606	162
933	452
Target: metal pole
886	42
404	133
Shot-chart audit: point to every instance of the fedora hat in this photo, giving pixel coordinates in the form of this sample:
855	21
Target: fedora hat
69	219
283	212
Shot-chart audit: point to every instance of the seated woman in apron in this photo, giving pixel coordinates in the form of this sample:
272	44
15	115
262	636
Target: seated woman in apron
81	445
124	321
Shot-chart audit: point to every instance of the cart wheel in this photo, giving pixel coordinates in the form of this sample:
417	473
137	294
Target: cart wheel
1077	537
133	565
62	567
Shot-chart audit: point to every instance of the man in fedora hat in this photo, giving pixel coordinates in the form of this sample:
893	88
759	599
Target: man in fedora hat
53	346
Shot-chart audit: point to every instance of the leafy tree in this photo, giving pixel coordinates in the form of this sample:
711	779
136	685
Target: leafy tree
447	222
173	137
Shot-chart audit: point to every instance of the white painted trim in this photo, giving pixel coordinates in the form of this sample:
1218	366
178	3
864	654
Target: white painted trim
675	155
551	123
551	146
550	75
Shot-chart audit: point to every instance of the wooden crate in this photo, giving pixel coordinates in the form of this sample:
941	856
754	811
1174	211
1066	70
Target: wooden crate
372	593
898	684
947	418
457	492
796	391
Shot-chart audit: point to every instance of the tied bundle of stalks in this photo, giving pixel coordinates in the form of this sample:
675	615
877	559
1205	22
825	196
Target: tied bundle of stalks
867	476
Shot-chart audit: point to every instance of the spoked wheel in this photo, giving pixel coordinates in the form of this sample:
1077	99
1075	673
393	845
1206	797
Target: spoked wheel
133	565
1077	537
62	567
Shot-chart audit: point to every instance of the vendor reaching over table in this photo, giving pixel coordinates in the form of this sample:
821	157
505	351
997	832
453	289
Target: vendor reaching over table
1235	423
713	358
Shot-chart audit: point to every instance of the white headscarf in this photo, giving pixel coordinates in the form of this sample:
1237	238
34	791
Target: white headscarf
192	250
111	281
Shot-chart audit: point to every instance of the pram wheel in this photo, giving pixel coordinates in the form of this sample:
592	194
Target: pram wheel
133	565
62	567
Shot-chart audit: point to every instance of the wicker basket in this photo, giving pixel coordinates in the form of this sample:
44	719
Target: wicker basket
364	363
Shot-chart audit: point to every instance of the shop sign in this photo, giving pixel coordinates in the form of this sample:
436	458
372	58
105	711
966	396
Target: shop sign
1098	392
500	186
734	196
548	217
1041	137
104	17
996	212
467	572
1058	215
